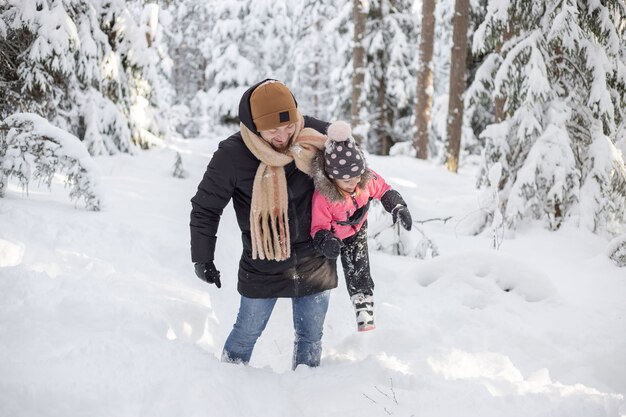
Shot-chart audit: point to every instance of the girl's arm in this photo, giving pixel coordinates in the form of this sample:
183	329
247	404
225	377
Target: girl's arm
377	185
321	219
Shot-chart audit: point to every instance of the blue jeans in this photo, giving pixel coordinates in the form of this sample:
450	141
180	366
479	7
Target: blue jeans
309	313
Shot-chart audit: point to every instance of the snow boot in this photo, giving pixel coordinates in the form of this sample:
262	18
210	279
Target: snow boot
364	308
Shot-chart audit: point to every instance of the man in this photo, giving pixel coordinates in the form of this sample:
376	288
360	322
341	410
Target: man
263	169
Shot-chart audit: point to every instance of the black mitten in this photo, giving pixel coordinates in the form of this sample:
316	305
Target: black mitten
402	213
394	203
208	273
328	244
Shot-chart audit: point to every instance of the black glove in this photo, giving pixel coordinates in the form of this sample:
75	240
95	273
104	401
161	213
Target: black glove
395	204
208	273
402	213
328	244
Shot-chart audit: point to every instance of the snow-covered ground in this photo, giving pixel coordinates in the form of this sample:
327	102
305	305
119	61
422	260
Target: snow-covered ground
102	315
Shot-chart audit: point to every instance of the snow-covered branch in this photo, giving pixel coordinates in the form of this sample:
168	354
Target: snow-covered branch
33	149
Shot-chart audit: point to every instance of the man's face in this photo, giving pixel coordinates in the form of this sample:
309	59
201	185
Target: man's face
279	138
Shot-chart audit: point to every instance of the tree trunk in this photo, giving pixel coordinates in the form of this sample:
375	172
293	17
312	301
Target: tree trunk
383	128
425	80
358	68
457	83
316	73
500	99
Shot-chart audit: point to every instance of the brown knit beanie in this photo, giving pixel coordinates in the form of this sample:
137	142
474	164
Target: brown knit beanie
272	105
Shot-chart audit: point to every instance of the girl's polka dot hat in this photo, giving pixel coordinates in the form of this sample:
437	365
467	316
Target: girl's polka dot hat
342	159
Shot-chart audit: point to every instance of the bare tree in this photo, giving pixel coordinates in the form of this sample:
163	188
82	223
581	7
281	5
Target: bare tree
425	80
457	83
358	67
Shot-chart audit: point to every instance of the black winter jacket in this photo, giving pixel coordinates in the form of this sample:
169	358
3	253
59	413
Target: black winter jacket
230	175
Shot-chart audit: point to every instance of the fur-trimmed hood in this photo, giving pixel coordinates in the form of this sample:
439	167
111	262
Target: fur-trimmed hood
334	211
326	186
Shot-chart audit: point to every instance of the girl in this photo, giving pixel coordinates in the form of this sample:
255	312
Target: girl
344	187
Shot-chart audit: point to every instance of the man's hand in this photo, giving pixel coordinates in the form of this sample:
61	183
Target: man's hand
328	244
208	273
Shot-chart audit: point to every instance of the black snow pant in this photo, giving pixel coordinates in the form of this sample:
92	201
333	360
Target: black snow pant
356	263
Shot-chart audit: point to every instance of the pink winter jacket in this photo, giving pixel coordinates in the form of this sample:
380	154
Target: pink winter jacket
326	212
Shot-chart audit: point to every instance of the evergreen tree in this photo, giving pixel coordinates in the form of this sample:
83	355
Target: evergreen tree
232	66
391	39
316	55
84	66
133	43
269	36
179	171
34	150
221	48
444	11
190	23
250	41
190	46
559	68
340	75
616	250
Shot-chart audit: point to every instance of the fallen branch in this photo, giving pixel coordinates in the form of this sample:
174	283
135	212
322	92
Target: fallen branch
434	219
366	396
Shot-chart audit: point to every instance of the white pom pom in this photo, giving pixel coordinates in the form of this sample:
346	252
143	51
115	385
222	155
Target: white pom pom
339	131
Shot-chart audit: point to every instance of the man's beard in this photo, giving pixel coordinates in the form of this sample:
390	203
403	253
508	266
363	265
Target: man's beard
282	147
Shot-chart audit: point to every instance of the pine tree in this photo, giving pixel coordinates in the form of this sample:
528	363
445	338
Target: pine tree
391	39
84	66
316	54
616	250
191	22
250	41
559	69
236	61
190	46
179	171
139	59
34	150
222	48
340	75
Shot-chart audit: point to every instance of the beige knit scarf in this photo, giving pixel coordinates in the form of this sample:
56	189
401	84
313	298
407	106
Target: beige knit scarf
269	221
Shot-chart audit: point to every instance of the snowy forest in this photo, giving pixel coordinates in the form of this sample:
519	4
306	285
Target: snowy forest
503	123
535	90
